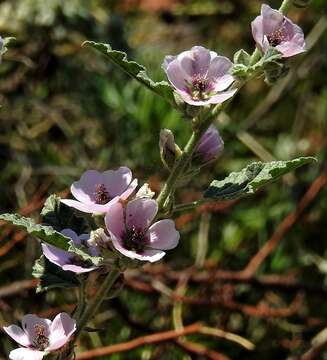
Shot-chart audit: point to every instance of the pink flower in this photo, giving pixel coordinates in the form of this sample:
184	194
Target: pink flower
273	29
69	261
200	76
95	191
40	336
210	145
132	233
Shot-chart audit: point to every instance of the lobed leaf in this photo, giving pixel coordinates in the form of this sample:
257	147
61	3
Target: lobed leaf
251	178
61	216
43	232
135	70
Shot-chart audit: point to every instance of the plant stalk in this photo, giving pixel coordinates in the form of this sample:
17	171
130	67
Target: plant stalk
95	303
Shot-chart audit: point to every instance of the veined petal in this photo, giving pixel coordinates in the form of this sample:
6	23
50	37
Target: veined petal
16	333
176	75
117	181
224	82
91	208
257	31
289	49
163	235
271	19
115	221
57	256
63	326
140	213
219	67
151	255
220	98
84	189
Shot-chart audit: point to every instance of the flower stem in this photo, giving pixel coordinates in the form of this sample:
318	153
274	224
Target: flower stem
285	6
95	303
190	205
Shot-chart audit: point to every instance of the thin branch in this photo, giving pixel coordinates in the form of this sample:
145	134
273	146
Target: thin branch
141	341
285	225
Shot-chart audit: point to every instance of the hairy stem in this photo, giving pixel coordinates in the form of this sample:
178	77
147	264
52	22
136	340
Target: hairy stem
285	6
95	303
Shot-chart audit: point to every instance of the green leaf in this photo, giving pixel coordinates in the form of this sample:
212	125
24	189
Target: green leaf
135	70
52	276
242	57
49	235
6	42
61	216
251	178
43	232
240	70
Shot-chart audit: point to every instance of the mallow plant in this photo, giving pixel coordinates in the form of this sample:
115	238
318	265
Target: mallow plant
109	223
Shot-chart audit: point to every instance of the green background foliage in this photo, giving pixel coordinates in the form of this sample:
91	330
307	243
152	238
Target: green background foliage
65	109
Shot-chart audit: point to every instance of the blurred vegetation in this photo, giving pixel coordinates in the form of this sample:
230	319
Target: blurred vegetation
64	109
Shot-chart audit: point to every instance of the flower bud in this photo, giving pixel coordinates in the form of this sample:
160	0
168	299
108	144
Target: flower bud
210	146
98	238
169	151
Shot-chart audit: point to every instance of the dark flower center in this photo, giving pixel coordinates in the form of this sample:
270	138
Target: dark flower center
277	37
199	87
101	194
135	240
41	341
200	83
79	261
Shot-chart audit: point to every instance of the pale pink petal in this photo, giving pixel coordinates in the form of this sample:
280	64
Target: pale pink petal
163	235
77	269
187	98
220	98
91	208
272	19
26	354
167	60
298	36
289	48
224	82
84	189
55	255
219	67
28	324
195	61
140	213
176	75
114	220
129	190
257	30
78	205
17	334
147	255
63	326
117	181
